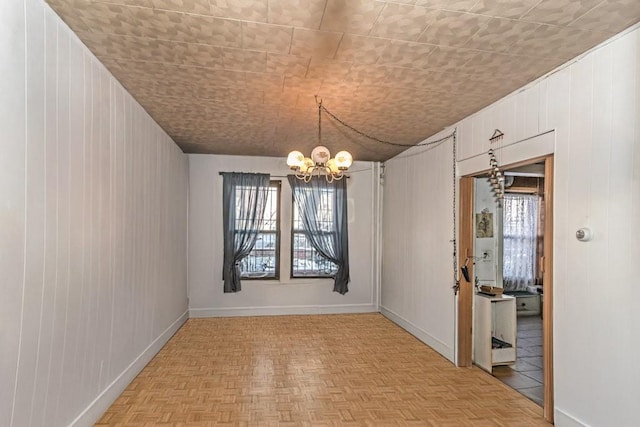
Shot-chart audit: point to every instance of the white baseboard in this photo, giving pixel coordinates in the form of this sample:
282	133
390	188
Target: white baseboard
94	411
419	333
282	310
562	419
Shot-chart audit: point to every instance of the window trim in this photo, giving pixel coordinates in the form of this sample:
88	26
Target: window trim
278	185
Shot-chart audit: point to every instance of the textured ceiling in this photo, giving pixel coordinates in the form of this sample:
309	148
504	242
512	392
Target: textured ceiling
239	76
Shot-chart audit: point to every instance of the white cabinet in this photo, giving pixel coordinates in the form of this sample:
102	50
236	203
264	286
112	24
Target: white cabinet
494	335
528	305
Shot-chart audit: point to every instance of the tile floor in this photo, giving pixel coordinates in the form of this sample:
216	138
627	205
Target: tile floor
526	375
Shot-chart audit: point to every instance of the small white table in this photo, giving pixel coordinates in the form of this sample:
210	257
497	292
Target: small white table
494	317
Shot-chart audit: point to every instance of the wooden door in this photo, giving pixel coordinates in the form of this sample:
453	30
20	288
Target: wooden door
547	280
465	293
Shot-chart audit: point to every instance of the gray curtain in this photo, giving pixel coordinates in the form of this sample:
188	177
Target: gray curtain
244	198
330	239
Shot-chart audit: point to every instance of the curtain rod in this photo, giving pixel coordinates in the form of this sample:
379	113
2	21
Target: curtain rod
277	176
274	176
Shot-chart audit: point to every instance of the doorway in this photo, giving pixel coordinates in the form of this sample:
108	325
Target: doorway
528	324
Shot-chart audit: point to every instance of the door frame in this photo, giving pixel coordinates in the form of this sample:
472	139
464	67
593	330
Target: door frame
465	294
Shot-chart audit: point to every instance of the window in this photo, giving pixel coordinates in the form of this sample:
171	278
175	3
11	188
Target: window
263	260
305	260
520	216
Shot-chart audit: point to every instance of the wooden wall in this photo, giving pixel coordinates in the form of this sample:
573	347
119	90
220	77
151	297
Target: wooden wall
589	113
93	226
417	248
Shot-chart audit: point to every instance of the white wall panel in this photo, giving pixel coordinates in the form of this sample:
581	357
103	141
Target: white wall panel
531	124
478	128
518	127
543	105
283	296
593	108
70	373
12	194
93	223
465	130
35	212
417	261
49	282
60	305
507	120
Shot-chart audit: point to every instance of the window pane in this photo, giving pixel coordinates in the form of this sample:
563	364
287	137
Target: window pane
520	240
262	261
324	212
271	210
305	260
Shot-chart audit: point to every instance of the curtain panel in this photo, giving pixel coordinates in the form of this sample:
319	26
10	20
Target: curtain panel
520	241
317	200
244	198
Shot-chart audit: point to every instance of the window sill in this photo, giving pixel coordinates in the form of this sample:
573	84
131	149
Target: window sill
290	282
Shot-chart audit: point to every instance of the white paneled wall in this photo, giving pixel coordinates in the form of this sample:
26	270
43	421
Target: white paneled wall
286	295
591	110
93	226
417	255
12	195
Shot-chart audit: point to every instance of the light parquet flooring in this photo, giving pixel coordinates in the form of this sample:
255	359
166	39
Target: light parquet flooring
334	370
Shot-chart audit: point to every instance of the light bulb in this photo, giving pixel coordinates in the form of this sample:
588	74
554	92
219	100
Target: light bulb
331	164
343	160
295	160
307	165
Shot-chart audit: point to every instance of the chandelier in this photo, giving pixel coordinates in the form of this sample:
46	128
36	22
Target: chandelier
320	163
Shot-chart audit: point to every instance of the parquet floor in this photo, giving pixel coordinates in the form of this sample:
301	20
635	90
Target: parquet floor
335	370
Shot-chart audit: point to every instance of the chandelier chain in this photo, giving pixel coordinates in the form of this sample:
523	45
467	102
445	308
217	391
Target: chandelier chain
319	122
456	282
373	138
452	135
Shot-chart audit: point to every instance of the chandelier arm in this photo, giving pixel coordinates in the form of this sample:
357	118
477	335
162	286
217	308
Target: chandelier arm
299	174
328	175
